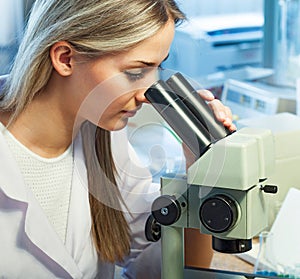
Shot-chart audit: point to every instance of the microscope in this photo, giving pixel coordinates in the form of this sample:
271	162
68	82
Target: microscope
223	192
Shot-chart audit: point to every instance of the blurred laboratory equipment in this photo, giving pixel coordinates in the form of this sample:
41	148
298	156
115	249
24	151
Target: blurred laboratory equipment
298	96
194	8
282	41
265	263
278	253
285	231
208	44
278	92
248	99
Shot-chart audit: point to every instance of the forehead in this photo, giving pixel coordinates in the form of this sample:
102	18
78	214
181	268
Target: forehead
155	48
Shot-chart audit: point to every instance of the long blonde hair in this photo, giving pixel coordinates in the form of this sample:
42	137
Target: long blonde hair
93	28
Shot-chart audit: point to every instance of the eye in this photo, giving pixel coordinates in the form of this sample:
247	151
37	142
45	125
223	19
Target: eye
135	74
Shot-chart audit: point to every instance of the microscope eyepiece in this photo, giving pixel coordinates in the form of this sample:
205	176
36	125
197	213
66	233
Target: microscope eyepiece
179	117
197	106
187	113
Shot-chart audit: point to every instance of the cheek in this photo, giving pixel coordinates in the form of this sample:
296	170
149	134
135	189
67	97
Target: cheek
113	117
96	103
106	101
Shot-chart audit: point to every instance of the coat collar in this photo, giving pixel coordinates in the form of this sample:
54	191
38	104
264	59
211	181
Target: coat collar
36	225
12	178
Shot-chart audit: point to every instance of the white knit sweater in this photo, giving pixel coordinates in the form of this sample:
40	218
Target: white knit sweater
49	179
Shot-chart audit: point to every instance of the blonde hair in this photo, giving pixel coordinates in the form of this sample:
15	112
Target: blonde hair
93	28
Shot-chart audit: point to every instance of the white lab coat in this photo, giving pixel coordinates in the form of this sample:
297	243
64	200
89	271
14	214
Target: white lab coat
30	248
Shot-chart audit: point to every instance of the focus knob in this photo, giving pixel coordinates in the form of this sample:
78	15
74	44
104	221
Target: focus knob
152	229
218	213
166	210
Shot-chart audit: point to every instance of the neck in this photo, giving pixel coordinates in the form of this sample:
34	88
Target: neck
42	133
45	127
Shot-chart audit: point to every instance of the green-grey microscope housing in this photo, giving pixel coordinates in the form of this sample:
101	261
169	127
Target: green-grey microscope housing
223	193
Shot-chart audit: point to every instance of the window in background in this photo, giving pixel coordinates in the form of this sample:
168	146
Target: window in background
11	27
194	8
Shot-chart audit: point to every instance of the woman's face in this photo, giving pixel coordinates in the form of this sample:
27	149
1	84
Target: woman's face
112	87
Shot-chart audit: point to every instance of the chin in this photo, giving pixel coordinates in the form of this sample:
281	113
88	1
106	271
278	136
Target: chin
119	125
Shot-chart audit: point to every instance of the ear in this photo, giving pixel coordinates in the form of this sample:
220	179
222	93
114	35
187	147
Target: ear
62	57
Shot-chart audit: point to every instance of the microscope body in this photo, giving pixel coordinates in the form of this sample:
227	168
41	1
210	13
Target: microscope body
223	192
231	175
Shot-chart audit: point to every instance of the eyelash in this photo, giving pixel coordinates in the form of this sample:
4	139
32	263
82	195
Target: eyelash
134	77
137	76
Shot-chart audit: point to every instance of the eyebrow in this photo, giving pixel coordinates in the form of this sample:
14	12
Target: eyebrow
151	64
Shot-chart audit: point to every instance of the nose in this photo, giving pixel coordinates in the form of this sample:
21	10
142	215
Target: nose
140	96
150	78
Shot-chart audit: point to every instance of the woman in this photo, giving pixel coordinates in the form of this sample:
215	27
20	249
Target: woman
81	72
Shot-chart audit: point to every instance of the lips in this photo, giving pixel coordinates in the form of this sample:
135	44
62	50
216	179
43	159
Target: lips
131	113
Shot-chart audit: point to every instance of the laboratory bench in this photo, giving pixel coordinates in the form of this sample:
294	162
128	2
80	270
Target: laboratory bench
229	262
